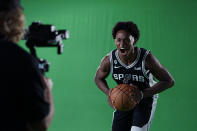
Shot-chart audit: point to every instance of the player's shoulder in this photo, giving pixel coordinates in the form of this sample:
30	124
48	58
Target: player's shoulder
106	58
106	61
143	50
150	60
144	53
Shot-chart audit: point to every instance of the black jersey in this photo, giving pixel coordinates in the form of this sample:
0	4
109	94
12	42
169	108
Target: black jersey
134	73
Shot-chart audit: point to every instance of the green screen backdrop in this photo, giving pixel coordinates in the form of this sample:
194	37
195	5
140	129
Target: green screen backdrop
168	28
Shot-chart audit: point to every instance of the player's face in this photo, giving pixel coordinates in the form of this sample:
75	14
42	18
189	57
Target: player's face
124	42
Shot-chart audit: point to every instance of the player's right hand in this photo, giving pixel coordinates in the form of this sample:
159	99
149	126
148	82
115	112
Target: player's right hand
109	99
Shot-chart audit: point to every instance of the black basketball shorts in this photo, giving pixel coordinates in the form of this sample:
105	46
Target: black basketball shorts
138	119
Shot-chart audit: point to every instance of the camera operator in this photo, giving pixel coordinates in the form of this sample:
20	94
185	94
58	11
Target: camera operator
25	97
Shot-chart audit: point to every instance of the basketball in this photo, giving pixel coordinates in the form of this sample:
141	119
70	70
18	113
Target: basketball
122	97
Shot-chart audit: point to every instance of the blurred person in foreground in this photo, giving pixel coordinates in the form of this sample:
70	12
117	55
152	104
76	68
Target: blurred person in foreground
26	97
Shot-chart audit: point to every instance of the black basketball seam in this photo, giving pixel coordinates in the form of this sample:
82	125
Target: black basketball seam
122	101
123	91
116	95
125	94
128	102
120	90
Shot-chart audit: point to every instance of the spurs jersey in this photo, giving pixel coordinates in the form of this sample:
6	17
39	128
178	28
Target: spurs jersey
134	73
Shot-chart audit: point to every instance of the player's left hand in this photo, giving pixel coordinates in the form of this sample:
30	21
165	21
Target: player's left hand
109	99
138	95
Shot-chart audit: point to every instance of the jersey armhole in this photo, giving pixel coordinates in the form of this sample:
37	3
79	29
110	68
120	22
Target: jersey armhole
145	72
111	62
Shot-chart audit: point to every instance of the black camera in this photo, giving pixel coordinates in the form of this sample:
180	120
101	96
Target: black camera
44	35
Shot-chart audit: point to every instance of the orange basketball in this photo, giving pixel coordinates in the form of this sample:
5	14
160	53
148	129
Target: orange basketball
122	97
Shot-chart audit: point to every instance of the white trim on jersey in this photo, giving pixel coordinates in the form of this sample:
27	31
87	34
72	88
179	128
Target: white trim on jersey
131	65
151	80
111	62
152	83
147	126
152	112
145	72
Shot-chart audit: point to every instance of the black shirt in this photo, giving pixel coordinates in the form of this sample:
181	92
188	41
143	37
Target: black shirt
21	89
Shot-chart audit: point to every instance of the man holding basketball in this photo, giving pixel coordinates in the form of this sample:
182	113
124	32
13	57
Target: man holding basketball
136	66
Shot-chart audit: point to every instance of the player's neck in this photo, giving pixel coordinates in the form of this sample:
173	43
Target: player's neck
130	58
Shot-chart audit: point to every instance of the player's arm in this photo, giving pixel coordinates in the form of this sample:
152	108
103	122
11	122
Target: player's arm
101	75
160	73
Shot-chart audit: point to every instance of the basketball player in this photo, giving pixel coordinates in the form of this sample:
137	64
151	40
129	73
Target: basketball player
137	66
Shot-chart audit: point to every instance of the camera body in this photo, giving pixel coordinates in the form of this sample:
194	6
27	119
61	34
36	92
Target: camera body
44	35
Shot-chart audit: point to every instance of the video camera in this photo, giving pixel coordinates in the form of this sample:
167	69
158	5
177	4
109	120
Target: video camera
40	35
